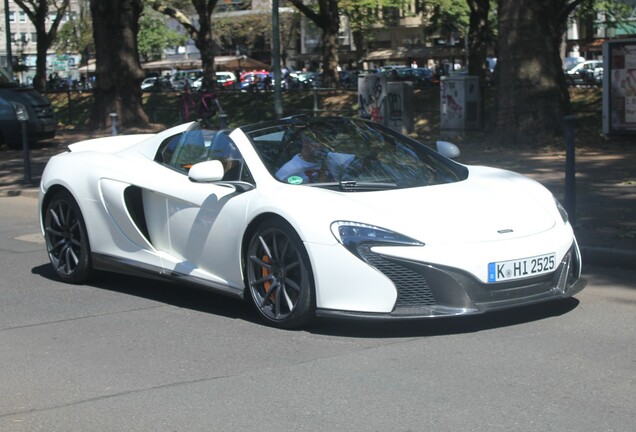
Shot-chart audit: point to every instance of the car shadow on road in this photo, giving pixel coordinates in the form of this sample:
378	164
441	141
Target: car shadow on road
444	326
182	296
188	297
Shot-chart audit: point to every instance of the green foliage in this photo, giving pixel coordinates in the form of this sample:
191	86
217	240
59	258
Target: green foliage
241	29
617	13
154	36
449	16
363	14
76	35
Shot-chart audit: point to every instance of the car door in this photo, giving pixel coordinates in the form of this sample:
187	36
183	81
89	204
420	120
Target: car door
197	227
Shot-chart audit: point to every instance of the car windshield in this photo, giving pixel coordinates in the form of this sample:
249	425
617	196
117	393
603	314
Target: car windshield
348	154
6	80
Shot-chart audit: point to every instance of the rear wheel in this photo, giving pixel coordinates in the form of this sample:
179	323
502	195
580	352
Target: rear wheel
279	276
66	238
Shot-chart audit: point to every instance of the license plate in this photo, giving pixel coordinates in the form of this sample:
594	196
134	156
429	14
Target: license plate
521	268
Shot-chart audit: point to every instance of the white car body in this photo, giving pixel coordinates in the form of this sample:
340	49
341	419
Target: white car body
197	231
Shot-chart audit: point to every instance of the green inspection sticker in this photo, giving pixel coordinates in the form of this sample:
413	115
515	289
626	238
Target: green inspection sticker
294	180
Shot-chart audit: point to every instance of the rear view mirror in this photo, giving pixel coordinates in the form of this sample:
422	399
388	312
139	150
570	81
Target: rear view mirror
447	149
205	172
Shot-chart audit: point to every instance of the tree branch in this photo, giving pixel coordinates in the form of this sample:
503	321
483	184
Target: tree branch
308	12
177	15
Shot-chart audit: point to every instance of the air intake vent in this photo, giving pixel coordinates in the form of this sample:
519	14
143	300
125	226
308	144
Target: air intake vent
413	290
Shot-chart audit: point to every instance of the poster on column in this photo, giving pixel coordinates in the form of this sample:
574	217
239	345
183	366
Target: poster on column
619	87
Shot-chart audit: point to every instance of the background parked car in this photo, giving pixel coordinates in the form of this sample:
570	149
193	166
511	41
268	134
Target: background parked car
180	78
256	81
156	84
224	79
420	77
303	80
19	104
148	83
589	72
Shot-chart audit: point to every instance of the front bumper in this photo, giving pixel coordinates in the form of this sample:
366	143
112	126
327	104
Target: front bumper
428	290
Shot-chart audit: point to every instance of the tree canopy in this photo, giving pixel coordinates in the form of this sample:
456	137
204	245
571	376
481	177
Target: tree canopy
155	37
327	18
39	13
200	31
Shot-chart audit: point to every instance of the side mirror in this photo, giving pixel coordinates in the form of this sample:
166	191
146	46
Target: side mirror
447	149
205	172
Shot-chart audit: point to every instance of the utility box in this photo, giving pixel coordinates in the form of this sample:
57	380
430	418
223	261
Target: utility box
460	104
372	91
399	109
387	102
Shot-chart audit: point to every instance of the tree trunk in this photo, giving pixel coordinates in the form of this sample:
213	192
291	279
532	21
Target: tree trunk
328	20
532	97
478	38
202	36
203	40
118	72
38	13
42	46
330	44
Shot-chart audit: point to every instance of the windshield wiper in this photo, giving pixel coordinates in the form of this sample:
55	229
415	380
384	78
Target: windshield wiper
356	186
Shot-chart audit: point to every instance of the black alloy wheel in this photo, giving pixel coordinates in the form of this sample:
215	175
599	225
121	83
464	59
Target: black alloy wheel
279	276
66	238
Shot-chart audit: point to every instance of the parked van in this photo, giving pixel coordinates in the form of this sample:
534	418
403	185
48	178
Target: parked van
23	104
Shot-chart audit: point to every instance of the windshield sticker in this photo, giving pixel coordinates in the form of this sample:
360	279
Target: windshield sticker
295	180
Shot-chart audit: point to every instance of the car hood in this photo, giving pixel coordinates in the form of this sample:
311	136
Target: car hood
490	205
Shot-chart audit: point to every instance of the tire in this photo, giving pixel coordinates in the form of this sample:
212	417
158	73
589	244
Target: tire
279	276
66	238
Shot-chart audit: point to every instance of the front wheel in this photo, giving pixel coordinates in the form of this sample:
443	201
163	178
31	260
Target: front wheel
67	239
280	281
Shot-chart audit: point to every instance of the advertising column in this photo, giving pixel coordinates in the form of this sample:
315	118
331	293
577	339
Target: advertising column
619	87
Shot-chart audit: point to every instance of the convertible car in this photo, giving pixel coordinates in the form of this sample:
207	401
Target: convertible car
309	217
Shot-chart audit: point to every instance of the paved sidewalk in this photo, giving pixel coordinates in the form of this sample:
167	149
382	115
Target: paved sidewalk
605	218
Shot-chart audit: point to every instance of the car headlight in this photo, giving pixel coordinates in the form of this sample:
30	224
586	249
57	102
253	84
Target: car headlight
562	211
20	111
353	234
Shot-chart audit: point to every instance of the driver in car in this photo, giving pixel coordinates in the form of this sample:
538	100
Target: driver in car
308	165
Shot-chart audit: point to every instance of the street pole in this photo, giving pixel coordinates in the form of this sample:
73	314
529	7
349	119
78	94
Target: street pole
570	168
278	102
7	29
26	154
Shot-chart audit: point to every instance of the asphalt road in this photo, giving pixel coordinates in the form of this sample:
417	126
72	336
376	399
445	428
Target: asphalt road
125	354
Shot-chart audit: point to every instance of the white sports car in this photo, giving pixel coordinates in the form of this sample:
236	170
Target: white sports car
309	217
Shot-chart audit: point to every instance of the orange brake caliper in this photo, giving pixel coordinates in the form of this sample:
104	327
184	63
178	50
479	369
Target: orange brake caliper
266	272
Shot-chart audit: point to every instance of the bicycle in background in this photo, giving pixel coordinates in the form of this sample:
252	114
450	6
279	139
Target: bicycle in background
204	106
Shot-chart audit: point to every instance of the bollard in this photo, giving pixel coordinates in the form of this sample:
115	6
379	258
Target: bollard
69	106
22	115
113	124
570	168
222	121
26	153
